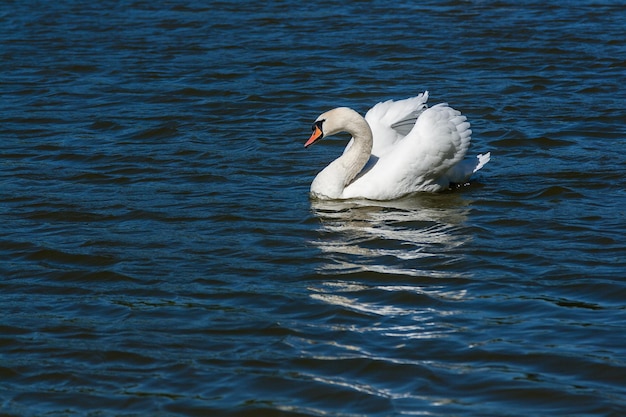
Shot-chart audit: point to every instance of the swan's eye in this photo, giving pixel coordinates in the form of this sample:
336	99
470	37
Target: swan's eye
318	125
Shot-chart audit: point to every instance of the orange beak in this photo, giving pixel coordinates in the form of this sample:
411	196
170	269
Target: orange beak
317	135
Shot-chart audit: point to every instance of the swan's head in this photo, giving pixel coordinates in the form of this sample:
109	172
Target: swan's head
332	122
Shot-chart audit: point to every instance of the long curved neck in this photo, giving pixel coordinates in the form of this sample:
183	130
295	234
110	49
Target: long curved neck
341	172
356	156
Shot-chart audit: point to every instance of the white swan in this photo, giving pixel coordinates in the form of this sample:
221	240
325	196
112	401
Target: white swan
400	147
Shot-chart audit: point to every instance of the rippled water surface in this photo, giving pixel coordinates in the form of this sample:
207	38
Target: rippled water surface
159	253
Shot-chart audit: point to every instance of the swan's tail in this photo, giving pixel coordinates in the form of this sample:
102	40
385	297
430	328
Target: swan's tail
482	160
461	172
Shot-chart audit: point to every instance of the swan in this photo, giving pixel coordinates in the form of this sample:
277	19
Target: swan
400	147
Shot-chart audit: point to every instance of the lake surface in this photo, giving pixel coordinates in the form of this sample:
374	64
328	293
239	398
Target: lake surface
160	255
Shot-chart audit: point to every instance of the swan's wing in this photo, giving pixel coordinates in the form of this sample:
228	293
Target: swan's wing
439	140
420	162
391	121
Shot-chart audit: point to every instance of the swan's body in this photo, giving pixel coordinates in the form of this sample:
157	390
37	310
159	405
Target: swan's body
400	147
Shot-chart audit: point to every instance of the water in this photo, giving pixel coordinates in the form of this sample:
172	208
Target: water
159	254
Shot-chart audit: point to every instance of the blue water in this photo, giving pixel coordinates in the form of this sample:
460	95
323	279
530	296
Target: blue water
160	255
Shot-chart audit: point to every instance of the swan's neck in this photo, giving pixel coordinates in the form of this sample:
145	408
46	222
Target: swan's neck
339	174
354	159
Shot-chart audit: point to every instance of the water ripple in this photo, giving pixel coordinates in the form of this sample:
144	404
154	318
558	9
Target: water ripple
160	254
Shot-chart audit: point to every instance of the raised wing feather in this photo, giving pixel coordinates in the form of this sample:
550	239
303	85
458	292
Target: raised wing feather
439	140
391	121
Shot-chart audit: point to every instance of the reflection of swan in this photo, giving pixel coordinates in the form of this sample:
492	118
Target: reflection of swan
379	257
398	148
396	237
